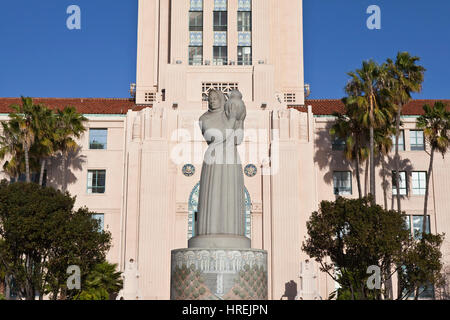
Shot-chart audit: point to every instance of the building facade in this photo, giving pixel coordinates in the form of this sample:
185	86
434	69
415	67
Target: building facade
140	161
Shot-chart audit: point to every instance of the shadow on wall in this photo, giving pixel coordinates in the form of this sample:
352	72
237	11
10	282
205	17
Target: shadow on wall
387	167
75	162
290	290
328	159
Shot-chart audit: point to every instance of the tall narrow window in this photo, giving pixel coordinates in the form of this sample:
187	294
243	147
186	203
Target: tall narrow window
342	181
402	186
417	226
100	217
220	55
196	33
419	180
244	56
96	181
220	49
244	19
401	141
244	27
417	140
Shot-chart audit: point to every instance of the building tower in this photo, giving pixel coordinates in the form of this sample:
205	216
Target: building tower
185	49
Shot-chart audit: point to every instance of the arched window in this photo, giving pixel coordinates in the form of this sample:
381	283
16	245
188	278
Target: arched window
193	207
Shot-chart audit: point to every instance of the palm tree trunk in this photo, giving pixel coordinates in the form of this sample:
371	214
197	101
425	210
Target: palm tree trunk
63	178
397	156
27	163
383	168
358	177
372	166
427	192
41	175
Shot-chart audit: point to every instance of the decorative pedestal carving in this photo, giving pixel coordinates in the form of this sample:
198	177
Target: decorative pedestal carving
218	274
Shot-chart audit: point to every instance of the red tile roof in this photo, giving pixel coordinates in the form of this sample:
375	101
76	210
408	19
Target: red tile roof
83	105
121	106
328	106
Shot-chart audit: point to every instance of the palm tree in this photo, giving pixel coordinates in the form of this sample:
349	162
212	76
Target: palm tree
435	124
383	144
364	90
44	124
405	77
69	125
348	128
21	121
102	283
11	146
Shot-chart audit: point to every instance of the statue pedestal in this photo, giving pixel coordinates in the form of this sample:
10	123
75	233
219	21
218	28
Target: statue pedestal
218	274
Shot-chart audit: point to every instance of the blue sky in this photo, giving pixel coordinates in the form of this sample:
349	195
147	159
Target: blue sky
40	57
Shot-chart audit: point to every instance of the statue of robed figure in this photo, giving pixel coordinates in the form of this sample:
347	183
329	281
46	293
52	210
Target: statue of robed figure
221	206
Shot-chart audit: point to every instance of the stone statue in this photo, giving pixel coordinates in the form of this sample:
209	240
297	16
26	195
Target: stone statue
221	205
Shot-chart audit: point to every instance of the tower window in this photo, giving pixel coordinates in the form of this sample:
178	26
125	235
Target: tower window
220	55
195	21
220	21
244	56
244	19
195	55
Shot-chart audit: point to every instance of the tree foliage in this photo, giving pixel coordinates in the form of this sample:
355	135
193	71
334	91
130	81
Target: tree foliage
43	234
102	283
347	236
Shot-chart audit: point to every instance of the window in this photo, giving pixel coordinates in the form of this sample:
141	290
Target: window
225	87
417	140
195	21
220	21
416	221
403	188
342	181
100	217
196	34
419	180
401	141
220	55
244	56
98	138
338	144
244	19
96	181
195	55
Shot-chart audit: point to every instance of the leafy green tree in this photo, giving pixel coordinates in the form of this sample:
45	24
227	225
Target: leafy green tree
421	266
364	89
348	235
102	283
435	124
43	235
69	125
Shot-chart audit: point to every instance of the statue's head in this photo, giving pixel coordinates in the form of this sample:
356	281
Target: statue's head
216	100
235	94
